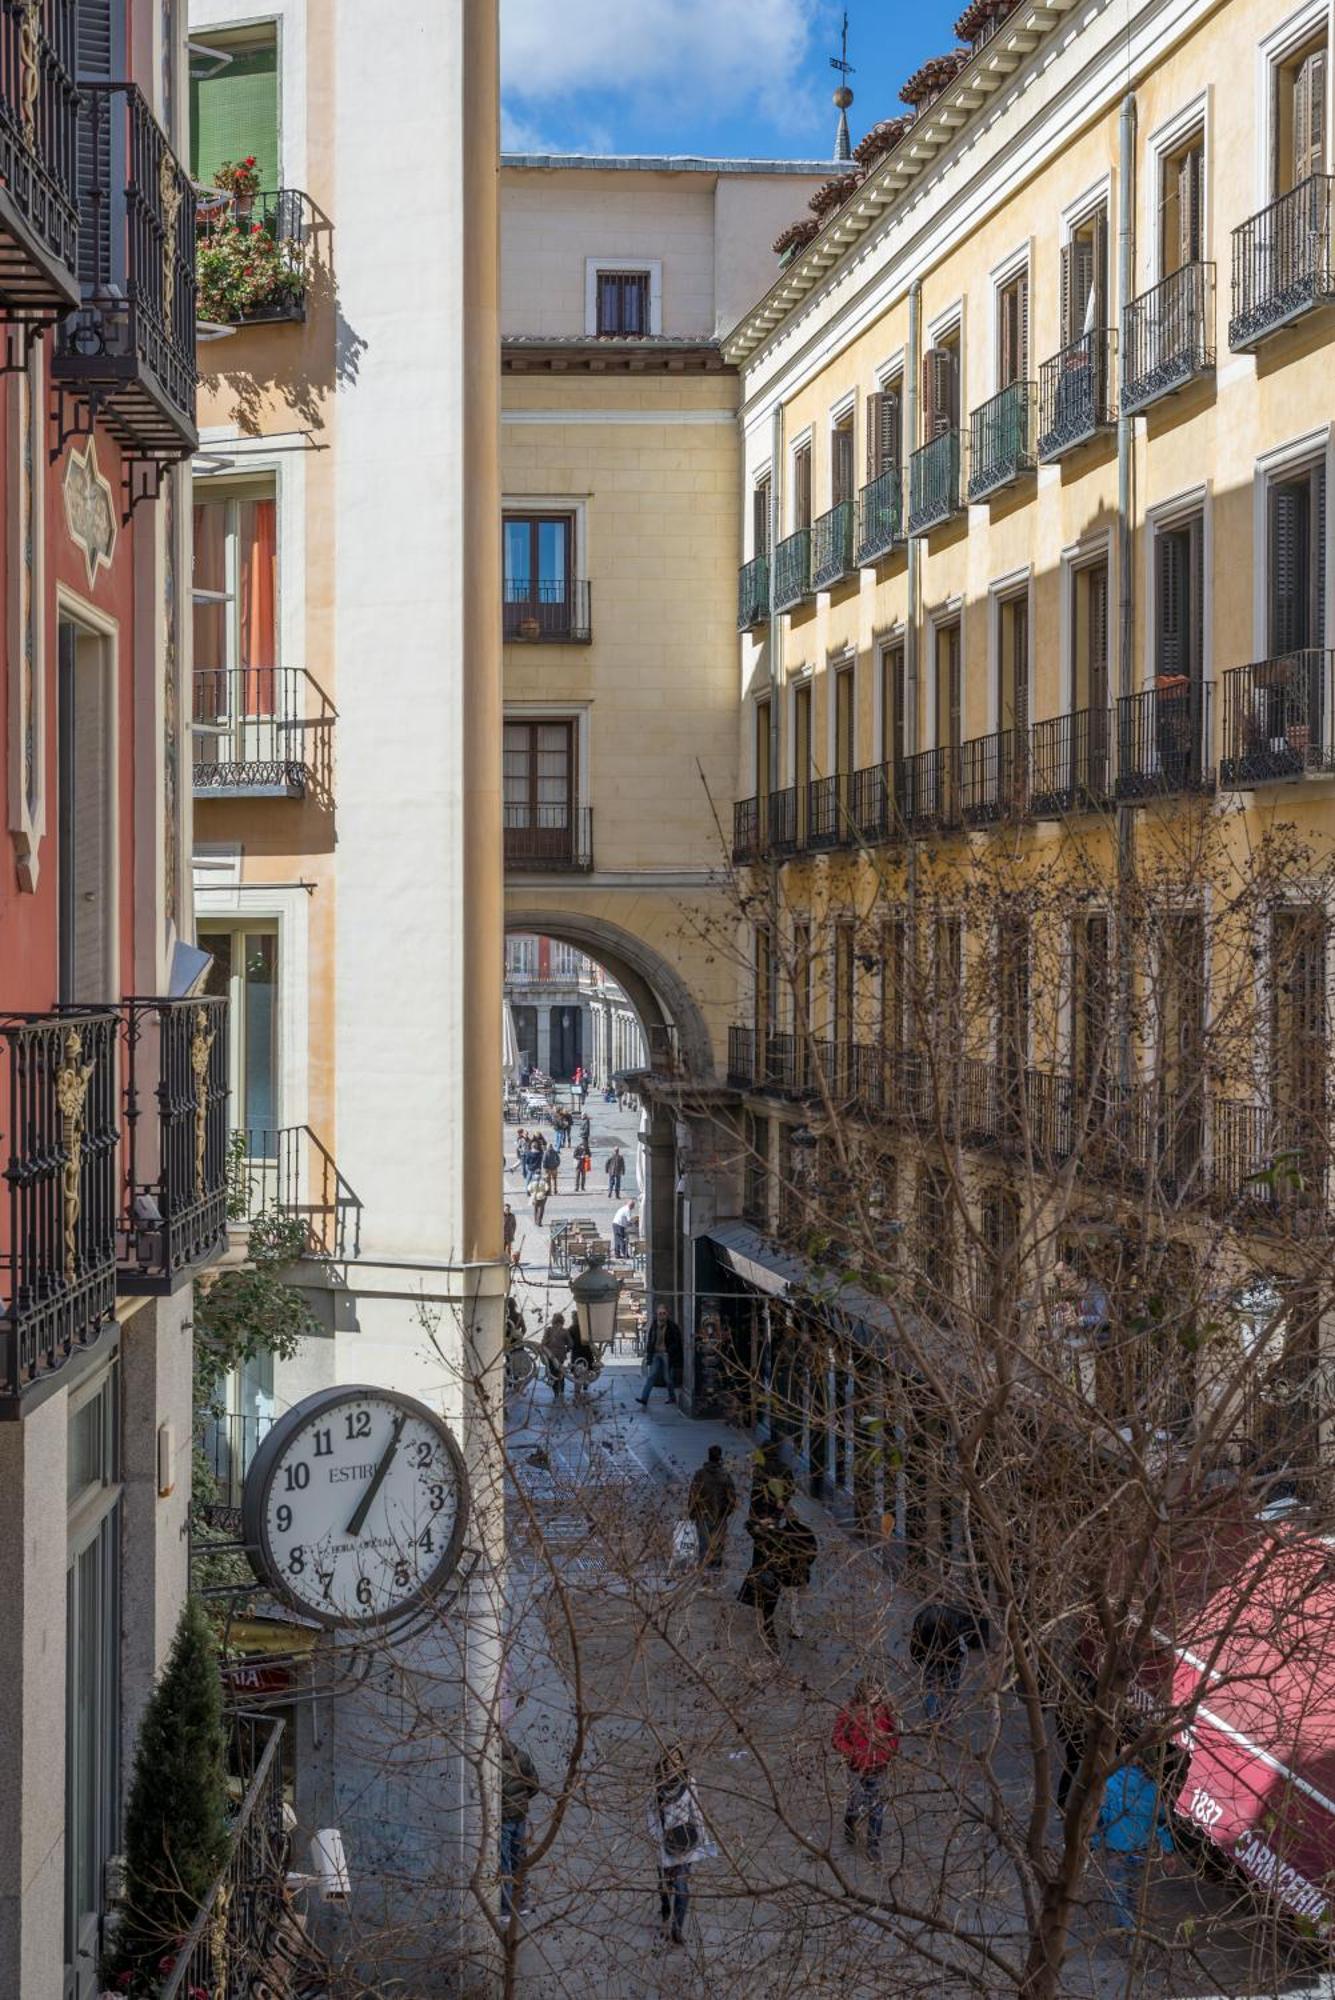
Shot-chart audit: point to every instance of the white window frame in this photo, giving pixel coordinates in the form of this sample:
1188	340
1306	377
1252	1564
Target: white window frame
1004	590
239	905
289	19
578	712
1272	52
651	267
576	505
804	440
1170	514
882	642
1018	263
1197	115
951	612
757	479
1080	555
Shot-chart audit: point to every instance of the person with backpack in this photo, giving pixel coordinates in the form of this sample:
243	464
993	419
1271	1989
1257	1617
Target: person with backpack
551	1167
710	1504
677	1829
866	1736
794	1550
519	1787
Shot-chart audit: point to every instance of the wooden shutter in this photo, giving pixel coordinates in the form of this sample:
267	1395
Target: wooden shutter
1189	192
802	488
1019	622
1099	271
871	411
1097	664
841	465
1195	534
1078	260
760	517
1069	331
1289	541
98	39
1021	328
940	401
890	446
1309	118
1170	557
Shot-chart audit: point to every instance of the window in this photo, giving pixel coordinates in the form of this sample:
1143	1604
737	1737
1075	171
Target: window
894	709
802	487
1180	602
623	303
803	982
845	728
538	763
802	740
764	981
1089	634
1181	205
764	767
539	584
842	1011
949	691
1012	1018
948	981
92	1672
1013	663
1181	997
760	505
521	957
1091	969
245	971
1299	122
1084	278
1296	509
841	461
234	110
236	678
884	409
1298	1029
1013	331
894	985
85	829
941	389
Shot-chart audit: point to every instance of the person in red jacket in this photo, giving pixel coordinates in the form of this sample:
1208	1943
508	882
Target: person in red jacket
866	1736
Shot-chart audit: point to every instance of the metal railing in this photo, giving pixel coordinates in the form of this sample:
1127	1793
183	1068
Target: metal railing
828	816
1279	718
787	1065
39	113
792	570
931	792
832	1070
228	1440
1069	763
753	592
934	483
994	777
1074	393
876	801
556	836
1282	265
832	545
277	227
779	820
547	611
1163	740
880	522
741	1057
745	831
1268	1160
260	732
1001	439
288	1170
1168	335
59	1118
176	1163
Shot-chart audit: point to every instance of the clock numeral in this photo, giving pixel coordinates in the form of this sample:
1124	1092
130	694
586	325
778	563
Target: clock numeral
421	1453
326	1577
284	1519
426	1540
296	1562
358	1423
324	1444
402	1576
437	1495
364	1590
298	1477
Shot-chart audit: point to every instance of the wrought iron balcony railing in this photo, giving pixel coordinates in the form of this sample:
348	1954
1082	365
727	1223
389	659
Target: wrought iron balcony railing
870	807
1269	1160
127	354
745	831
792	570
1279	719
260	733
1168	336
271	233
829	811
753	593
787	1066
228	1441
556	836
932	792
39	216
934	483
780	821
1069	763
994	777
1001	440
176	1163
741	1057
60	1125
289	1170
880	522
832	546
1282	264
1075	398
547	612
1163	740
832	1071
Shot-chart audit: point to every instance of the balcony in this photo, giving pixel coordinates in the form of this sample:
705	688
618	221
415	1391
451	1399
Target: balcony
877	794
741	1057
1282	264
60	1121
934	483
994	777
753	593
779	817
260	733
546	612
792	571
832	546
1001	440
1279	719
931	792
126	357
880	523
39	216
289	1171
745	832
176	1163
828	820
1074	395
786	1066
1168	336
1163	740
252	256
556	837
1268	1161
1069	764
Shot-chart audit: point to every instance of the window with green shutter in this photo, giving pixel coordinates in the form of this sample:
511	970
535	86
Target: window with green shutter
234	110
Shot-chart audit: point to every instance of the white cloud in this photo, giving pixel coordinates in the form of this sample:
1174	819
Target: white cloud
701	52
521	134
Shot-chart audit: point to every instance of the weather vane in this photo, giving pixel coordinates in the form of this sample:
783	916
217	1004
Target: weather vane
843	96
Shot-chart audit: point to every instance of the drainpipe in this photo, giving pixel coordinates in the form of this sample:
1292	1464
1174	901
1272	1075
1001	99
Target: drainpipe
775	696
1126	278
911	655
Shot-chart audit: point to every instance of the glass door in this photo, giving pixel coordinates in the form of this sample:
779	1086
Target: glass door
538	550
245	969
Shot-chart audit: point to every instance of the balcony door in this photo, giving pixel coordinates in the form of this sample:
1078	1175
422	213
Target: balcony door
539	778
92	1675
245	969
85	863
539	564
236	719
1297	524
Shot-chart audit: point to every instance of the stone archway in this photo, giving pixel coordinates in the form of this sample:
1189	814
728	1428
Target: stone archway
656	990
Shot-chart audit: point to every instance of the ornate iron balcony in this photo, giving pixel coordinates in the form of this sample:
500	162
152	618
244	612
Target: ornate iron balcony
1163	740
753	593
127	355
1279	719
931	792
741	1057
871	804
1168	336
934	483
829	805
880	518
779	818
1268	1160
1001	440
832	546
39	216
1069	763
176	1164
1282	265
539	837
745	832
277	228
289	1169
547	611
1074	399
792	570
994	777
260	733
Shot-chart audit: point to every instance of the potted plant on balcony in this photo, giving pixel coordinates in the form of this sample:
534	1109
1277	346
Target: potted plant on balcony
240	179
242	272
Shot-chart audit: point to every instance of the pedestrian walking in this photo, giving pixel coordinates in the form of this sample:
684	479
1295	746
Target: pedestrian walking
866	1736
537	1194
556	1352
583	1363
662	1357
760	1587
622	1223
533	1158
680	1837
509	1224
519	1787
1071	1709
794	1549
1131	1820
585	1132
551	1167
582	1165
616	1167
937	1646
711	1501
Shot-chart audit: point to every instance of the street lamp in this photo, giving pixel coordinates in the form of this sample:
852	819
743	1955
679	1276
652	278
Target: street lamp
595	1292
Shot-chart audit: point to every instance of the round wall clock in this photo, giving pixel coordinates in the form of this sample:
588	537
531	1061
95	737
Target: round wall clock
355	1506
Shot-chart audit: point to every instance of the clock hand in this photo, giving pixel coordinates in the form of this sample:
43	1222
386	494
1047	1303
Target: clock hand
358	1521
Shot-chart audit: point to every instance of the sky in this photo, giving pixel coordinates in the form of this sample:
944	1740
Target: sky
728	78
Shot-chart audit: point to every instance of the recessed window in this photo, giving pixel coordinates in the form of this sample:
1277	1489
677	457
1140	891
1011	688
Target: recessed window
1179	603
234	106
941	388
1296	507
884	410
1013	331
1013	663
623	303
1084	278
1182	205
1089	632
802	487
760	502
841	460
1299	143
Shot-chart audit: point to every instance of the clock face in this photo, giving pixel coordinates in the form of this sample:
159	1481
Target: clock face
355	1505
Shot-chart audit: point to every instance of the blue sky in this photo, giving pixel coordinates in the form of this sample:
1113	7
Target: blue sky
737	78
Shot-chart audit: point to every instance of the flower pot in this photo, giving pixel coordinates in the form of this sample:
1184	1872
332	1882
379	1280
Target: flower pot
245	206
529	628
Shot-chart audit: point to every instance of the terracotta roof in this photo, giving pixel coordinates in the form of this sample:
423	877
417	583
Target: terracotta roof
833	194
982	19
934	75
881	138
797	235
